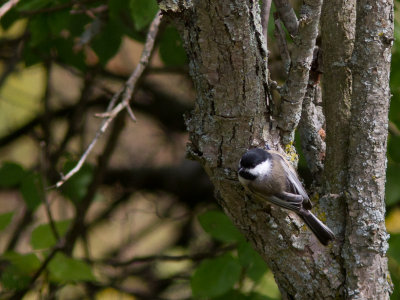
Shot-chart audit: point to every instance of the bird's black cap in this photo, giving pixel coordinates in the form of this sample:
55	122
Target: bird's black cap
253	157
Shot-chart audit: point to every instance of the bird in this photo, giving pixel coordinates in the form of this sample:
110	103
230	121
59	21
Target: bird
267	175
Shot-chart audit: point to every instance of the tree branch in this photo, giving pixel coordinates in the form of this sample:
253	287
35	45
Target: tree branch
337	34
288	16
293	91
265	12
126	93
230	116
7	6
366	237
280	37
312	120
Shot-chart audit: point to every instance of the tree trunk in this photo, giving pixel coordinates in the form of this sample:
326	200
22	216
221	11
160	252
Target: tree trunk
233	112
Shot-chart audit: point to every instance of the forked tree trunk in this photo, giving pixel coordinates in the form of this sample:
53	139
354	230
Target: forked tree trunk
233	112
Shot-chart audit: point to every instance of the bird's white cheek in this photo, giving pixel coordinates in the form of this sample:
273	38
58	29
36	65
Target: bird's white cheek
261	169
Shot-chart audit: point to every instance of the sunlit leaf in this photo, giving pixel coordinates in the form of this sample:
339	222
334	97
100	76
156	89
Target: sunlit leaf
252	262
143	12
232	295
32	191
219	226
65	269
215	277
42	237
18	270
76	187
237	295
5	219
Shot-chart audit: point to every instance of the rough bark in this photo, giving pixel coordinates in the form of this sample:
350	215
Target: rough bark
338	20
287	15
337	34
225	46
311	132
294	89
366	238
227	55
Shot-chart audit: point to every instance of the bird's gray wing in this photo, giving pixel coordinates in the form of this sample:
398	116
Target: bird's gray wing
293	204
295	185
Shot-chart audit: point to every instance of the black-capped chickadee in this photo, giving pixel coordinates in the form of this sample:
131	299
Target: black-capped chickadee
269	176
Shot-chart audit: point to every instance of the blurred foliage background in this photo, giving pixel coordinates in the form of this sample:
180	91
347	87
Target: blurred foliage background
152	229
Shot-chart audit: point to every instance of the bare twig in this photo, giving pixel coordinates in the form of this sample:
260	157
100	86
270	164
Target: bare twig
126	93
82	207
288	16
43	196
294	89
280	37
7	6
152	258
265	9
67	243
45	152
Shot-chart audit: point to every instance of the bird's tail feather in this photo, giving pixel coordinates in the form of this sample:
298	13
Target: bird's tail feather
321	231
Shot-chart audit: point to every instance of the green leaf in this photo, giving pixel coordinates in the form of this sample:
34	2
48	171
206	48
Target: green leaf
33	4
220	227
107	42
143	12
31	55
42	237
64	269
232	295
171	50
11	174
32	191
76	187
251	261
120	15
257	296
392	184
237	295
26	263
215	277
58	21
67	55
5	219
393	148
17	273
394	247
39	29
